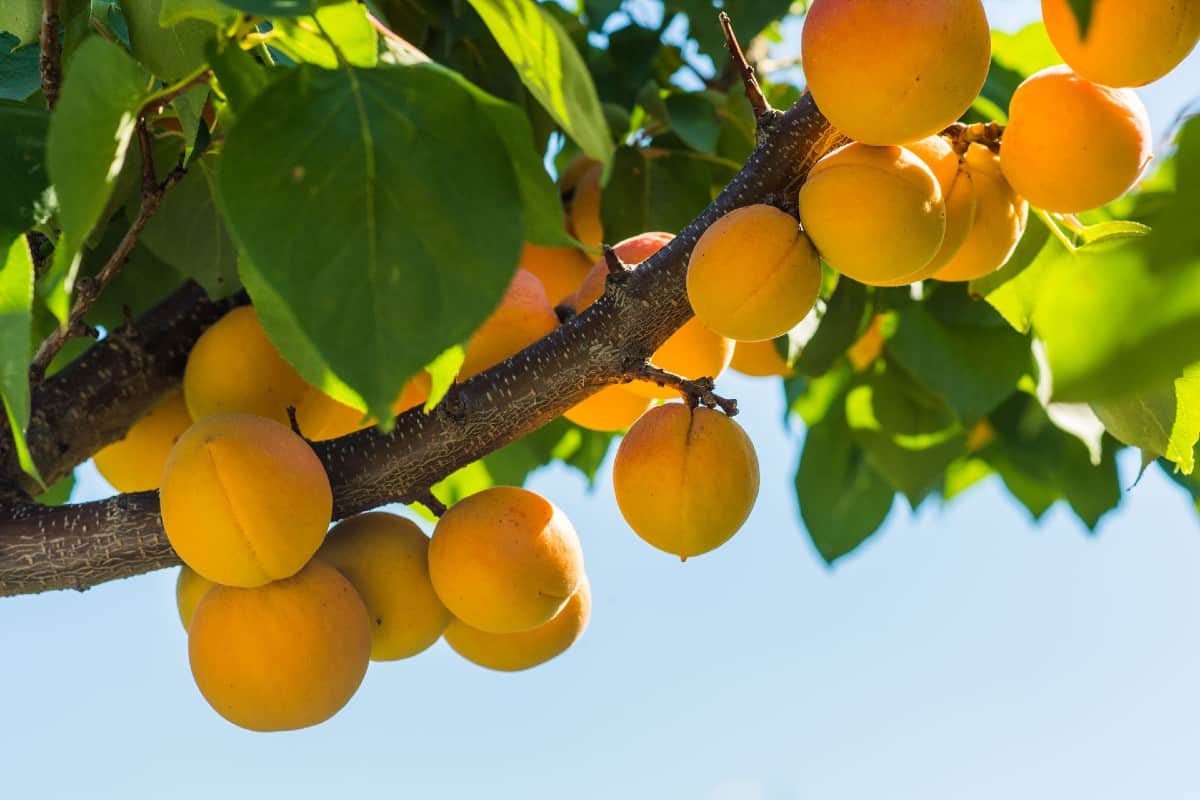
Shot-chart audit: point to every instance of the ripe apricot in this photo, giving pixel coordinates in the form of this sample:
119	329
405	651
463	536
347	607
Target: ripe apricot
685	479
753	274
613	408
958	193
135	463
999	222
511	652
523	316
234	367
283	656
583	211
190	588
344	419
505	560
386	558
1127	44
244	500
560	269
760	360
875	214
632	251
1072	145
889	73
693	351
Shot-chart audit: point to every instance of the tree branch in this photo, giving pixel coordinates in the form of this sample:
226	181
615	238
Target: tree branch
697	392
51	60
83	545
754	92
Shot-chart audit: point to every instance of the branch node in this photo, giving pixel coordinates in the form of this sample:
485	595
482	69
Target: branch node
453	404
754	92
696	392
565	313
435	506
613	261
961	136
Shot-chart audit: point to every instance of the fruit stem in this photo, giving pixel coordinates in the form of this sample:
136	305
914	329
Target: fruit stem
698	392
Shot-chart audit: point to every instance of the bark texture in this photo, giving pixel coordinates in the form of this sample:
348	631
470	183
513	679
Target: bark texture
82	545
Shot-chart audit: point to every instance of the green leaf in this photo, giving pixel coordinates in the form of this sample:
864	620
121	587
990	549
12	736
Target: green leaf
551	69
813	398
188	232
443	371
1110	231
176	11
22	159
171	53
1164	422
910	436
23	19
16	315
694	118
1015	289
239	76
275	8
972	367
846	316
377	237
20	74
59	492
659	190
843	499
89	136
303	39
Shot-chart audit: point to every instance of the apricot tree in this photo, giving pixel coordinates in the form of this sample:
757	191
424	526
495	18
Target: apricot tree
338	217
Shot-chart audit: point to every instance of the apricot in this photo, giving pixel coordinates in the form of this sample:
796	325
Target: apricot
244	500
283	656
1072	145
511	652
135	463
999	223
190	589
1127	44
505	560
875	214
685	479
613	408
344	419
760	360
890	73
583	211
523	316
958	193
693	351
868	347
234	367
386	558
560	269
753	274
632	251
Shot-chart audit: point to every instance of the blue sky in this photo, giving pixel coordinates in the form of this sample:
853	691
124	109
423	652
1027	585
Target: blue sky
963	652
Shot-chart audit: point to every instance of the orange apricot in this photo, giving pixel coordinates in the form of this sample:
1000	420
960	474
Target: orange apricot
875	214
234	367
282	656
511	652
505	560
958	192
685	479
135	463
523	316
190	588
693	352
868	347
583	212
560	269
344	419
753	274
760	360
244	500
890	73
1073	145
613	408
1127	44
999	222
386	558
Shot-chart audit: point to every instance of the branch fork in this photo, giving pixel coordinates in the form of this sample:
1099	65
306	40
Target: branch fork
696	392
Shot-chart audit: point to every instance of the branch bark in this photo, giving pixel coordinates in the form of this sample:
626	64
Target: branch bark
83	545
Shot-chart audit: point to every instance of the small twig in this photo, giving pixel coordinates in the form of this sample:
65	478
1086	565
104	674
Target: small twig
51	62
613	261
435	506
698	392
988	134
89	288
754	92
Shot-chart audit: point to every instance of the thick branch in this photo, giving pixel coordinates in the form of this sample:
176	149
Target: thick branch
80	546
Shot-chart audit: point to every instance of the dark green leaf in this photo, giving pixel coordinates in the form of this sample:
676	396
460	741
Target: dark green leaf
59	493
1163	422
377	237
240	77
275	8
22	19
171	53
659	190
845	317
22	159
20	74
694	118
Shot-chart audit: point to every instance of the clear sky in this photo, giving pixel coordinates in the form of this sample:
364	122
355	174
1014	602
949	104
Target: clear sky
963	653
